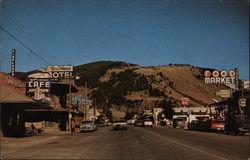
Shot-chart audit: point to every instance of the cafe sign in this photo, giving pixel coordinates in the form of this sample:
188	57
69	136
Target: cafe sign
220	77
43	84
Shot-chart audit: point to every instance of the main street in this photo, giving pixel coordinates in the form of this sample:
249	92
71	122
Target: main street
134	143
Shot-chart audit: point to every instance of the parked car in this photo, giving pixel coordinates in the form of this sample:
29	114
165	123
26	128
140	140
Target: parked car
119	124
88	125
147	123
131	121
199	125
101	124
139	123
218	125
179	123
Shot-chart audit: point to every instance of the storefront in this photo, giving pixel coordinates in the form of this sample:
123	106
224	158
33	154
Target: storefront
13	115
237	117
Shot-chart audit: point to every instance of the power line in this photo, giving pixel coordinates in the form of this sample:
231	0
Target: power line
25	46
8	13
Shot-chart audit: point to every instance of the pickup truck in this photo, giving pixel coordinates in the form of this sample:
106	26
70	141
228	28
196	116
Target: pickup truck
218	125
199	125
119	124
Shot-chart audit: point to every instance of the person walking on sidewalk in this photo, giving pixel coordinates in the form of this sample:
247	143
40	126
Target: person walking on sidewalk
73	126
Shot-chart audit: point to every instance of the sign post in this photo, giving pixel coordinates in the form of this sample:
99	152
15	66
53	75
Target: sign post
243	102
13	60
185	102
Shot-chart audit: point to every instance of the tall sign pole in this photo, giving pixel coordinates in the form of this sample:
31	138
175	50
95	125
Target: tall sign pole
70	116
13	60
236	79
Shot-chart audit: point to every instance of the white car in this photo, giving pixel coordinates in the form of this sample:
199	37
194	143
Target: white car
88	125
148	123
120	124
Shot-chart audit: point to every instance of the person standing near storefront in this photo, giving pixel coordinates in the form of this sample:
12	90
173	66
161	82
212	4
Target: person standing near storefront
73	126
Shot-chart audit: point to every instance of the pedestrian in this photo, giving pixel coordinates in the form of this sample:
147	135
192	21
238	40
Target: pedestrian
73	126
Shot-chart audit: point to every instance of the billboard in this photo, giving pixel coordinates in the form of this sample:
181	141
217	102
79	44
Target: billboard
60	68
81	100
224	93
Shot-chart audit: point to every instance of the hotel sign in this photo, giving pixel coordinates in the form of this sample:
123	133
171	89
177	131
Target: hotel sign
60	72
220	77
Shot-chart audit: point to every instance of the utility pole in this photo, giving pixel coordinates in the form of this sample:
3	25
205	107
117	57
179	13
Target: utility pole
70	79
85	106
95	108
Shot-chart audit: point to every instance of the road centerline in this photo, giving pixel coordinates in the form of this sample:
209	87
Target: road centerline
185	145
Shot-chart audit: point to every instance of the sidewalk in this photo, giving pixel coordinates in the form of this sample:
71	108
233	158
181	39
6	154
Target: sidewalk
46	136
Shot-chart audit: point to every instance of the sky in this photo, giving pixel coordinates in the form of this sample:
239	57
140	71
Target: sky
203	33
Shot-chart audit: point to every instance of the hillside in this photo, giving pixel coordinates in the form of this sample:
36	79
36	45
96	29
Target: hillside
128	87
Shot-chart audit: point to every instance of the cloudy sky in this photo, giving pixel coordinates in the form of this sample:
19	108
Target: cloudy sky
204	33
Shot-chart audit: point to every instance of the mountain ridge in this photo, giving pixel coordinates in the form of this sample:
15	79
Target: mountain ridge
130	87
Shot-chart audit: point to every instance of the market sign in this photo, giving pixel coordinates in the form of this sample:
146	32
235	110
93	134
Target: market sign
224	93
220	77
184	102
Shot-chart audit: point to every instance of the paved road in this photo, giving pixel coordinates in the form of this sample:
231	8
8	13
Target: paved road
135	143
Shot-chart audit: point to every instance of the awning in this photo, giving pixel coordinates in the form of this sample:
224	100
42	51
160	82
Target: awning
12	98
226	102
48	110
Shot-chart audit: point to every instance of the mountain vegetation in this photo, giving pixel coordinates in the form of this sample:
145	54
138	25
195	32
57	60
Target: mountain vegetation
129	87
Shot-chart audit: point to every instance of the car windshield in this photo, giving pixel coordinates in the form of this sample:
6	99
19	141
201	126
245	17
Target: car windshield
119	121
194	121
87	122
218	122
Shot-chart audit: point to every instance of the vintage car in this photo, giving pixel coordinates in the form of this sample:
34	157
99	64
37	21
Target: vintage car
88	125
199	125
147	123
119	124
138	123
